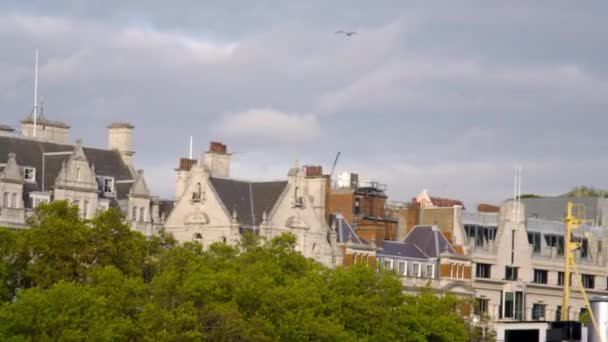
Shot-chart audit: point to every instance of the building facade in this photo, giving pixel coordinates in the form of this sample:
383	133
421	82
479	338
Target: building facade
38	166
210	206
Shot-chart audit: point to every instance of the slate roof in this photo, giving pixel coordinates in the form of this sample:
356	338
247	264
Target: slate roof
344	232
402	249
29	153
249	199
423	242
430	240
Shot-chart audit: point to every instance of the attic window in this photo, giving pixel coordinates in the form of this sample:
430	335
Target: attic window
108	184
29	174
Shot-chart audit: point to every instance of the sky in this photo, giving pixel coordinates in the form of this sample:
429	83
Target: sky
436	95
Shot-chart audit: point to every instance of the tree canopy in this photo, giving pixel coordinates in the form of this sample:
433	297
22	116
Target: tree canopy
70	279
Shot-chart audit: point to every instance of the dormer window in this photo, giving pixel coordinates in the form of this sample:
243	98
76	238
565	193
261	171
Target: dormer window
29	174
108	184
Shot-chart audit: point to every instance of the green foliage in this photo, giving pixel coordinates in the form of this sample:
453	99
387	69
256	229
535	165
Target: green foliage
587	191
79	280
530	196
584	318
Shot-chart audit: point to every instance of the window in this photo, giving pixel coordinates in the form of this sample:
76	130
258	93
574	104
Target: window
134	214
402	268
581	313
480	234
14	200
108	184
5	200
538	312
534	241
588	281
85	209
558	313
556	241
510	273
198	190
540	276
560	279
429	271
509	304
142	211
298	197
78	175
198	237
36	202
416	269
482	270
357	208
388	264
584	246
29	174
481	306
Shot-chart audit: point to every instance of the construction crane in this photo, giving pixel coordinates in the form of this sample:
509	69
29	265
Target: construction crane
574	222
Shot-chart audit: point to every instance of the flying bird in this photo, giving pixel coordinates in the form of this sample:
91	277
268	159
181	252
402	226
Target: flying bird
347	33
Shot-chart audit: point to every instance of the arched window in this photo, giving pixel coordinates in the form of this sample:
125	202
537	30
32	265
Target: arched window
198	237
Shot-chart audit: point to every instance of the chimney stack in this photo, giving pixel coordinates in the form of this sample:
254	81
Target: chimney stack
120	139
218	159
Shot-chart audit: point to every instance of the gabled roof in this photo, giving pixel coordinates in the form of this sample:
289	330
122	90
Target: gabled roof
344	232
29	152
402	249
249	199
11	170
139	188
430	240
423	242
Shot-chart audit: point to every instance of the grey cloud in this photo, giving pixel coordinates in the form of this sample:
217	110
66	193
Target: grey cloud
425	95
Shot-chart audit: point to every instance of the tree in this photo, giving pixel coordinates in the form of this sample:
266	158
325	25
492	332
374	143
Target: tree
55	247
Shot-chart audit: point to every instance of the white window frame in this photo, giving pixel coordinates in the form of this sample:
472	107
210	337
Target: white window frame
417	269
142	214
111	181
39	198
432	273
5	199
390	262
32	174
14	200
404	264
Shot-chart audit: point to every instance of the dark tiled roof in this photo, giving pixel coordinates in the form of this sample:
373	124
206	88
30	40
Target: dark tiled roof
402	249
423	242
344	232
249	199
165	207
430	240
29	153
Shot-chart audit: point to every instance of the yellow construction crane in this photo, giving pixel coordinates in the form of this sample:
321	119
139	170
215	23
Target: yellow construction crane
575	214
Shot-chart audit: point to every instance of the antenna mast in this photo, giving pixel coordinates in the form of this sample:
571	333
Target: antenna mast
36	94
190	155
